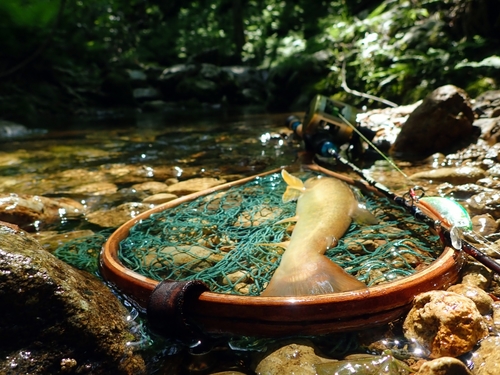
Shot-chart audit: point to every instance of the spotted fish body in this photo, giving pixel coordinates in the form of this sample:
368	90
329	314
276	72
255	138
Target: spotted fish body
325	209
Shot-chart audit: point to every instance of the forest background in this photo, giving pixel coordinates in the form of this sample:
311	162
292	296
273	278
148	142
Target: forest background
58	56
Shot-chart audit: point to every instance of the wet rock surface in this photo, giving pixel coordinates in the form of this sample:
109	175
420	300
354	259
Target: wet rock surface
295	358
441	123
486	359
30	212
55	319
444	366
446	324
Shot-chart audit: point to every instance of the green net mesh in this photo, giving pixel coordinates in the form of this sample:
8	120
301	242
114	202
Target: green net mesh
230	240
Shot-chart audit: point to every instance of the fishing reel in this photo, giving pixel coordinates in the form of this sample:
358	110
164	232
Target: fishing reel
330	125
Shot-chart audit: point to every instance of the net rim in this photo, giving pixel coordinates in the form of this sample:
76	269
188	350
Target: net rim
278	316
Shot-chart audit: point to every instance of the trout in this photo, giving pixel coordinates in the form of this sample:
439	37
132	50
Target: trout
326	207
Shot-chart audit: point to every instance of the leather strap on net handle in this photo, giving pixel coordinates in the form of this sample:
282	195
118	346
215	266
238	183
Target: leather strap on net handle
166	310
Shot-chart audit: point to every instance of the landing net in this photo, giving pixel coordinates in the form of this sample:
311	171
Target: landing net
230	240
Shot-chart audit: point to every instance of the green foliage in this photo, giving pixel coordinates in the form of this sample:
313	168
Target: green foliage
397	49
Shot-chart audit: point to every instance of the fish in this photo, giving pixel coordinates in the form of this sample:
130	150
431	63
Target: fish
326	207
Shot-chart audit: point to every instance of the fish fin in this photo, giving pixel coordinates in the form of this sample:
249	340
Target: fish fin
316	275
294	189
361	215
288	220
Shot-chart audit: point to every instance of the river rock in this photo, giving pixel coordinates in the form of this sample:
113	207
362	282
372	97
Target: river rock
194	185
477	275
56	319
51	240
442	123
159	198
490	129
117	216
461	192
445	324
151	187
486	202
95	188
486	359
32	212
488	103
484	224
482	299
459	175
443	366
295	358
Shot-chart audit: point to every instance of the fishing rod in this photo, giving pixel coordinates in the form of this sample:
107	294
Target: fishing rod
329	123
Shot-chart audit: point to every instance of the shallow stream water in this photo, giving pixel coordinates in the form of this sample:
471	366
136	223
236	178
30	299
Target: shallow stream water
154	147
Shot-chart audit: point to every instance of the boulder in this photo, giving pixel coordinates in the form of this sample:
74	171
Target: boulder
442	123
56	319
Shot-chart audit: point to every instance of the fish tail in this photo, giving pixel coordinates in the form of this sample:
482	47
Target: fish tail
316	275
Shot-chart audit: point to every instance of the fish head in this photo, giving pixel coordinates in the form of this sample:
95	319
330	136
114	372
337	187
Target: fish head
313	181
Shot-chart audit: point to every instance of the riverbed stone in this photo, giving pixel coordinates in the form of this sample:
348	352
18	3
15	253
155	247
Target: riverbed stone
294	358
32	212
484	224
490	129
486	359
459	175
486	202
477	275
151	187
159	198
443	366
51	240
56	319
116	216
95	188
442	123
445	324
482	299
194	185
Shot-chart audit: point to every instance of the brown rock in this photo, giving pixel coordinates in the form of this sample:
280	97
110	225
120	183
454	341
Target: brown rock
95	188
444	366
159	198
486	359
482	299
117	216
32	212
477	275
444	323
484	224
194	185
486	202
151	187
460	175
290	359
442	123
